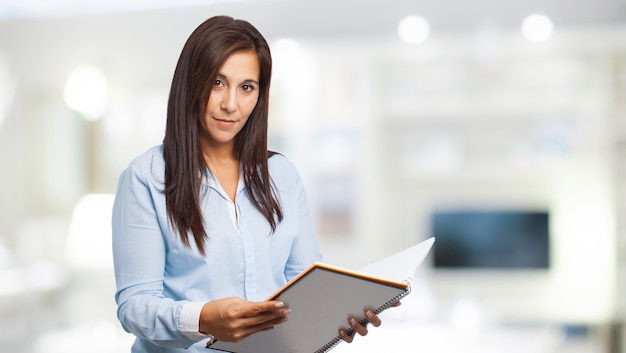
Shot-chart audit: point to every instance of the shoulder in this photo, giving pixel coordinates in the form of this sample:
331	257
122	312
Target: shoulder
152	157
283	172
149	165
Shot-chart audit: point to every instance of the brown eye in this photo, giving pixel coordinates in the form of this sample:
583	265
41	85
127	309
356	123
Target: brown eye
248	88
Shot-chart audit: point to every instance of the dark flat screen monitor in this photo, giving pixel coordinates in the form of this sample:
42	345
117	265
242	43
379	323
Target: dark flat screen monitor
491	239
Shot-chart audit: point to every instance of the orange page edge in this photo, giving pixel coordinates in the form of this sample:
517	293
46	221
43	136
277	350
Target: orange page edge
339	270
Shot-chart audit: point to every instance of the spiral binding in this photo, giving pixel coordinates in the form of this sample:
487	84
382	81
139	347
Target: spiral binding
335	341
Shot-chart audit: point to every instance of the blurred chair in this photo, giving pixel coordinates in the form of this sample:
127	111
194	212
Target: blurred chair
87	304
89	238
31	278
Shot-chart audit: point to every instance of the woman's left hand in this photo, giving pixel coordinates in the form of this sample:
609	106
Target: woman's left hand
357	327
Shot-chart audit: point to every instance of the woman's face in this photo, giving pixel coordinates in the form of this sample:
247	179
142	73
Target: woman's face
233	97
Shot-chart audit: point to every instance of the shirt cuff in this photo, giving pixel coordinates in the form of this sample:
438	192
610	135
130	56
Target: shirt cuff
189	321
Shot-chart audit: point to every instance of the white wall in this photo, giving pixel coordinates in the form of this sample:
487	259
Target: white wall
441	124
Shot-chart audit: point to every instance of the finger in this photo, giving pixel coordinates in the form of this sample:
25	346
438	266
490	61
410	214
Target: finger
264	326
357	327
265	319
262	312
267	306
276	321
372	318
275	304
269	324
345	336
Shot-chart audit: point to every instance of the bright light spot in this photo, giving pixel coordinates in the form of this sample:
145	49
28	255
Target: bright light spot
294	76
467	318
285	45
292	66
413	29
537	28
286	54
7	91
86	91
89	238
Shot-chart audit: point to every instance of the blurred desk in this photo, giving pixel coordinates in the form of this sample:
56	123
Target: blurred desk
27	296
406	337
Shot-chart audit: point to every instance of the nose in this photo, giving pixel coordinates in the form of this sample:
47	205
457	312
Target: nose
229	101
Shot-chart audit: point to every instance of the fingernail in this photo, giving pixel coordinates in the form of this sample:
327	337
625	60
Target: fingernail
280	304
369	313
352	321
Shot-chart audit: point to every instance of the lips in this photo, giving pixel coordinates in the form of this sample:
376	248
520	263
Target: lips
226	121
225	124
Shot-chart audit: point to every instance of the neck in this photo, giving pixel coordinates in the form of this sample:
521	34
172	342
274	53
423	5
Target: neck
219	154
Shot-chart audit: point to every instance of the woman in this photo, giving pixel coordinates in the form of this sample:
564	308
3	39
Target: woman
210	224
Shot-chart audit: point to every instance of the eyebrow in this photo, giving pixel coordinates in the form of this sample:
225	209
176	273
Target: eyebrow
248	80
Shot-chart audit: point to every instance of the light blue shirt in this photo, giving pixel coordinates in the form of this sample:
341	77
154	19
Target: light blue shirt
162	285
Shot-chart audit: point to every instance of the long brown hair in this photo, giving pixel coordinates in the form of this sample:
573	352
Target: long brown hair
205	51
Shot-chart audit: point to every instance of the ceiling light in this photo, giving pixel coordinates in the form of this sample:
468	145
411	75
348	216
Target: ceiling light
537	28
86	92
413	29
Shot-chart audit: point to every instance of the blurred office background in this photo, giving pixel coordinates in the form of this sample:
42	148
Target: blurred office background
396	112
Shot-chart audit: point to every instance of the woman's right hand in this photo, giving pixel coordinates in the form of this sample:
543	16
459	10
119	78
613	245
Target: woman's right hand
233	319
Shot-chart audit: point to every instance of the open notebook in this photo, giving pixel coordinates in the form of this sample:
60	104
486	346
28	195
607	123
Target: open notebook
322	297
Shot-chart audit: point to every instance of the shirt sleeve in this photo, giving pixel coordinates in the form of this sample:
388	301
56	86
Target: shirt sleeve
139	252
305	249
190	321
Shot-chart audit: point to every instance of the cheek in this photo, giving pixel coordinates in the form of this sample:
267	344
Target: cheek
211	103
250	105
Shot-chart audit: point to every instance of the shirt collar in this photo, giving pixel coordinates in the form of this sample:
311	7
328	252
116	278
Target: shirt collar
211	181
